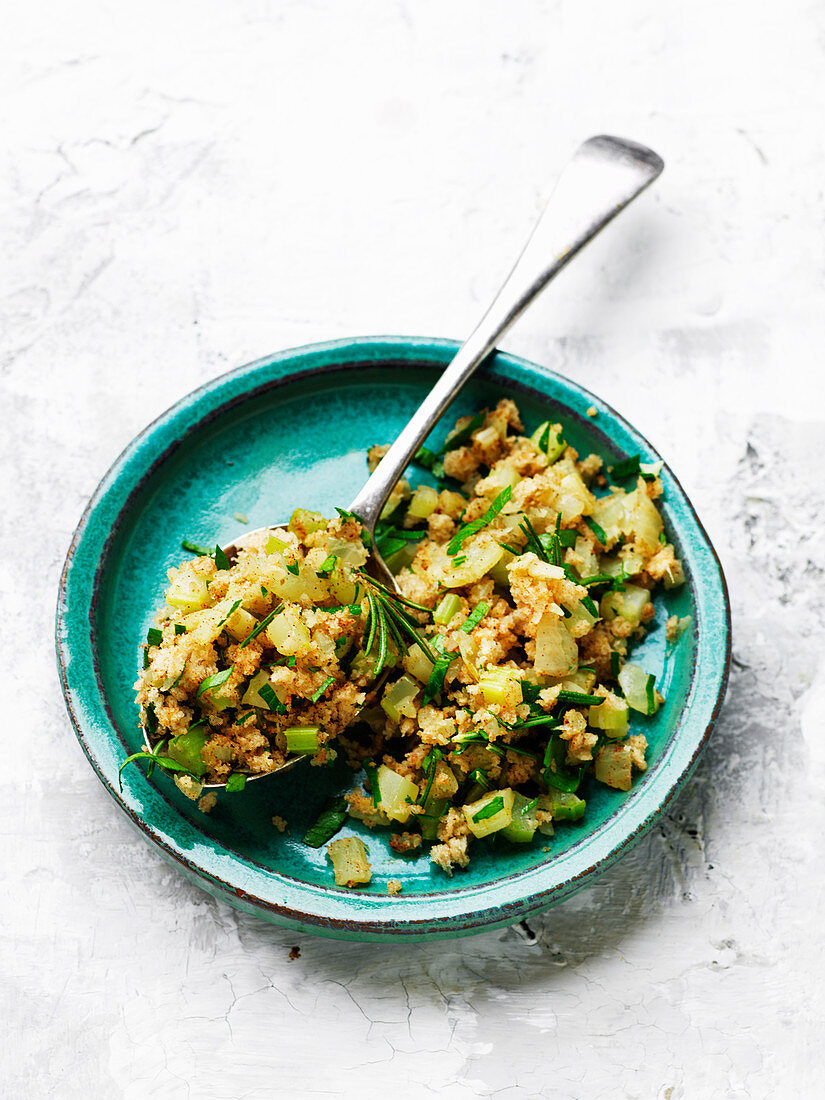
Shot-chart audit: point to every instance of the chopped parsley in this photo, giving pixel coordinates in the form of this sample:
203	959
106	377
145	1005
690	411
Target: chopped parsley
470	529
267	693
262	625
596	529
628	467
475	617
236	782
490	809
214	681
316	695
329	821
326	566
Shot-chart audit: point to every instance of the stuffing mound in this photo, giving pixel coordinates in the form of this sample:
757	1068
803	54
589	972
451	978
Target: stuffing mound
525	576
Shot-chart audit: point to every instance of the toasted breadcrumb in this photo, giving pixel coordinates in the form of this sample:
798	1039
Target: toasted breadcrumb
279	823
208	802
394	887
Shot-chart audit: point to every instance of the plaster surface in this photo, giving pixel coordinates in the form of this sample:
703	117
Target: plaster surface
189	186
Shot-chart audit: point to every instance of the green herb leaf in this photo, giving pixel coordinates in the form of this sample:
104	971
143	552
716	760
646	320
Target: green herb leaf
425	457
293	568
372	778
327	824
590	605
213	681
436	680
196	548
262	625
579	698
236	782
596	529
490	809
316	695
221	560
230	612
597	578
475	617
267	693
470	529
649	692
179	628
246	718
556	772
163	761
628	467
154	636
462	436
326	566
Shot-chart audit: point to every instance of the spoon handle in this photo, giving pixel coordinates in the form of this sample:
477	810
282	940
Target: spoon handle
604	176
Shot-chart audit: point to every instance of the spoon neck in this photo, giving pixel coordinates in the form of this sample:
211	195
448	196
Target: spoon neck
603	177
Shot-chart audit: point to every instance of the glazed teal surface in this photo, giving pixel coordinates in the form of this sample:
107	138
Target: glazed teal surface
293	430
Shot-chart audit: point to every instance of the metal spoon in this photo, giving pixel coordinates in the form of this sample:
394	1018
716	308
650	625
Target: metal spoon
604	176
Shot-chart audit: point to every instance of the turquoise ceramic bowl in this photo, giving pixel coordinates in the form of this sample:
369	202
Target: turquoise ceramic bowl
293	429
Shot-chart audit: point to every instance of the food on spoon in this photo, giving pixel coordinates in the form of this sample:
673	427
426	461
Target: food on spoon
522	592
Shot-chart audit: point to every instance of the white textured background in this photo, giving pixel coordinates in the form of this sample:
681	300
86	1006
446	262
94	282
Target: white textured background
189	185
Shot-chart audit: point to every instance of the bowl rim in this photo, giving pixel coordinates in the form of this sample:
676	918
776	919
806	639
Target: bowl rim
462	911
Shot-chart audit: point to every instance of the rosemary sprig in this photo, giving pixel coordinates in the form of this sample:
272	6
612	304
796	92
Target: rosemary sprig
388	622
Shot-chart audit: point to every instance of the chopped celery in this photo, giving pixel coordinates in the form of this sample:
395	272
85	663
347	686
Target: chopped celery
398	699
302	738
417	663
240	624
480	559
491	813
638	688
186	749
274	545
556	651
188	591
479	785
397	793
349	861
252	696
583	679
499	571
563	805
614	764
611	716
446	609
524	823
424	502
303	522
434	810
548	438
289	633
401	558
628	605
500	686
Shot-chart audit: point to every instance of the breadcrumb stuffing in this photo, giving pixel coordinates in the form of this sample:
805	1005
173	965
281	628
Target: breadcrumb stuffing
531	627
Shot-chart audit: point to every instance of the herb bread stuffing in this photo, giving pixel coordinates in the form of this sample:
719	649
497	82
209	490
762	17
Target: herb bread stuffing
479	698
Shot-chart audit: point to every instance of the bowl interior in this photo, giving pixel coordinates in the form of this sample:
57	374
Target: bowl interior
301	439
